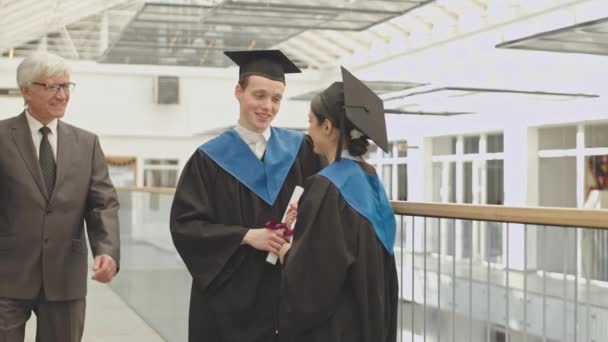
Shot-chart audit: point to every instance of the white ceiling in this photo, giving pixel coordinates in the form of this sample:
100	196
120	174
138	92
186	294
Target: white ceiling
84	29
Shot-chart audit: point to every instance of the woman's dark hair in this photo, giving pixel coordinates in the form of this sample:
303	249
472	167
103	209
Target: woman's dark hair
329	105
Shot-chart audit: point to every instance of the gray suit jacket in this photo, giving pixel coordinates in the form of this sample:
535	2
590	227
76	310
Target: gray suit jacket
42	240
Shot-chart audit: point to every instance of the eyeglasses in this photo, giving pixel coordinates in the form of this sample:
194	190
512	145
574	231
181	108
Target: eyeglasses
55	87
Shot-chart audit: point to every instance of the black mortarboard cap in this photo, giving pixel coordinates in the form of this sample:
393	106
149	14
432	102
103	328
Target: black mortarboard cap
364	109
272	64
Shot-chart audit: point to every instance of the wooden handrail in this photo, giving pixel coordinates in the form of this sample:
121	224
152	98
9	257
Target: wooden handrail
563	217
153	190
566	217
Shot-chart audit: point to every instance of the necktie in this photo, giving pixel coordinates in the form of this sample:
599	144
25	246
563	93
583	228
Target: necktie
47	160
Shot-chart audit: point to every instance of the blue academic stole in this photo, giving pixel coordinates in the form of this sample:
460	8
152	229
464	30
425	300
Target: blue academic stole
265	178
365	194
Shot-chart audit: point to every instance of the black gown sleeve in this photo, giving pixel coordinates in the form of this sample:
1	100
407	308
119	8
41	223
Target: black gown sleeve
317	264
204	246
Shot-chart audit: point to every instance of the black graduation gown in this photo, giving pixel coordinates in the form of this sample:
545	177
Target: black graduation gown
339	283
235	292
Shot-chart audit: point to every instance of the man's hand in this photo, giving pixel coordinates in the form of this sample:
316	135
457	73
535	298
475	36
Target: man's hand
104	268
265	239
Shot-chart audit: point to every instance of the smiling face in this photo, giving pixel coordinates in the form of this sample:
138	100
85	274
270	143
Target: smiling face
324	136
259	101
46	104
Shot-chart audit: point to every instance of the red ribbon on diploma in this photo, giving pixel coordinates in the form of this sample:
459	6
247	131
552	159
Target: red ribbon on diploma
275	225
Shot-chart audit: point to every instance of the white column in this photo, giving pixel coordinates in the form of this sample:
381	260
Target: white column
419	170
532	198
580	166
521	177
459	188
104	33
43	44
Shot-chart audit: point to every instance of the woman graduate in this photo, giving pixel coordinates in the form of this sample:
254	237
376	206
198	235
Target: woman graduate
339	281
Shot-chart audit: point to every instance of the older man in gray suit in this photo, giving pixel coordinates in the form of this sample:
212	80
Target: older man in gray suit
53	178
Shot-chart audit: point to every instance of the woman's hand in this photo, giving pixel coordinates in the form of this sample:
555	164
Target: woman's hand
284	249
292	214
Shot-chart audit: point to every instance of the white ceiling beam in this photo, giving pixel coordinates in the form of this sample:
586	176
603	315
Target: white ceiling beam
414	24
297	53
339	44
104	33
43	45
449	11
377	33
344	39
395	26
371	37
358	38
418	41
471	15
315	38
312	51
436	15
36	14
67	39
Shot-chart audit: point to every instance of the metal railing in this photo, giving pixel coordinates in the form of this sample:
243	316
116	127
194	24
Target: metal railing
466	272
545	279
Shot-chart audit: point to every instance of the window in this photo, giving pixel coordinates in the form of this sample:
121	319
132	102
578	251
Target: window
390	153
160	172
596	135
402	182
402	148
473	174
557	167
495	143
476	169
437	181
569	169
495	193
444	182
387	178
467	182
372	152
391	167
554	171
444	146
471	145
123	170
557	138
596	177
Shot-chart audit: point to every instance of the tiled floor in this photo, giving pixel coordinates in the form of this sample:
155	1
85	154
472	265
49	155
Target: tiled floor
155	284
109	319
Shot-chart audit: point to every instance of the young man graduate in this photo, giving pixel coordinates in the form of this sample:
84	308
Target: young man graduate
230	187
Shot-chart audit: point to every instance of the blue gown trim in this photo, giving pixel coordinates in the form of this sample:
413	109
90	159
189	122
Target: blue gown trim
366	195
264	177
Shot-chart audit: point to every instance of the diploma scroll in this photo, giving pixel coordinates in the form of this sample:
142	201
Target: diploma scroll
295	197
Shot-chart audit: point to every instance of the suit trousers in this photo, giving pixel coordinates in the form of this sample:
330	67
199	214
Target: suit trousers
57	321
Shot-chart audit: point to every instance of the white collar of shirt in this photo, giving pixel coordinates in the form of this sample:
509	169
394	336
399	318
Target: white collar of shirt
35	126
256	141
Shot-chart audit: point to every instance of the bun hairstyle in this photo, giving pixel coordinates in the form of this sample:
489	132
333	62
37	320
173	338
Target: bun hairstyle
357	145
329	105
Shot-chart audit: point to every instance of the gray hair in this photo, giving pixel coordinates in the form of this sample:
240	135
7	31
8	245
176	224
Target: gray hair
40	64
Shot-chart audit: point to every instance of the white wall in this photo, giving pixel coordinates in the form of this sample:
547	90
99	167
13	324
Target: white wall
117	102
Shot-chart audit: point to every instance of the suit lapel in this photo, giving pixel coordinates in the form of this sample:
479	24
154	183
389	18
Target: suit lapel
22	136
65	142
